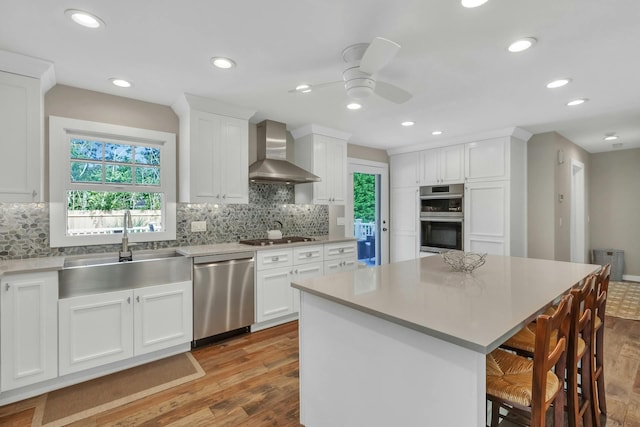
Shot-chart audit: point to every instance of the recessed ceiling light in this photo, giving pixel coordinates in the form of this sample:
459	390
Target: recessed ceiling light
303	88
558	83
354	106
610	138
436	132
577	102
408	123
522	44
120	82
473	3
221	62
83	18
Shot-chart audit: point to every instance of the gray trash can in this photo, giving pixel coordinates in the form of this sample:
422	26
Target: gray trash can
615	257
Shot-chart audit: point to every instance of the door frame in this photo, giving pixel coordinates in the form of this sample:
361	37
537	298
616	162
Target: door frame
578	237
355	165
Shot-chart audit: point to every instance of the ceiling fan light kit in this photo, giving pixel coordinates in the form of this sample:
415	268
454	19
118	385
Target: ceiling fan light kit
359	78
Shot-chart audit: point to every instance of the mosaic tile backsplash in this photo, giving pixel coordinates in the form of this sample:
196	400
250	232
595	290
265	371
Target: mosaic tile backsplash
24	227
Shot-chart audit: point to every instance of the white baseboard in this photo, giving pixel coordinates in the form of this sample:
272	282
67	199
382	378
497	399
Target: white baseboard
630	278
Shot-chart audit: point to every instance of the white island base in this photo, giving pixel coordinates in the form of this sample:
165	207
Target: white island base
360	370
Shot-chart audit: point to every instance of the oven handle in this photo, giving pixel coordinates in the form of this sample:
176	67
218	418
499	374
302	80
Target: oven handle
441	219
441	196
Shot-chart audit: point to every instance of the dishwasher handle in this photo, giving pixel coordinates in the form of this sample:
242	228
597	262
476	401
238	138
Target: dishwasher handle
208	259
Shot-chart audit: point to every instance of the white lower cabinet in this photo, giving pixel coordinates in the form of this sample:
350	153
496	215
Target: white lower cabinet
273	292
103	328
28	328
276	300
487	217
162	317
339	257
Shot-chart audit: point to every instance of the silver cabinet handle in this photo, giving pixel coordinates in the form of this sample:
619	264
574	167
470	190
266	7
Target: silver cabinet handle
128	300
7	287
224	196
341	250
138	298
275	259
309	254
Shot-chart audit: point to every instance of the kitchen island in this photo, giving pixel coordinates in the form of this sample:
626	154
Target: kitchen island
405	343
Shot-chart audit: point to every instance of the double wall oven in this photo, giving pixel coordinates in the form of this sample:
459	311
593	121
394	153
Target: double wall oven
441	218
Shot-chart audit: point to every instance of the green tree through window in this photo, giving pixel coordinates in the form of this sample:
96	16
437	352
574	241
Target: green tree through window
364	197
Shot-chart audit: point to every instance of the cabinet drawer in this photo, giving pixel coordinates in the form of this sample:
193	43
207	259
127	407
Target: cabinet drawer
339	250
274	258
307	254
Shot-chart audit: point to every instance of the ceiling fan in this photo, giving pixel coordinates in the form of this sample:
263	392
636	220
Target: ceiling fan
364	60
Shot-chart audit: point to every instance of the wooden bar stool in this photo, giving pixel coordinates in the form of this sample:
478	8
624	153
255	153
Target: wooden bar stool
602	287
579	353
526	388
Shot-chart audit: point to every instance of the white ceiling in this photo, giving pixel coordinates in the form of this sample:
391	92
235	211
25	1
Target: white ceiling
453	60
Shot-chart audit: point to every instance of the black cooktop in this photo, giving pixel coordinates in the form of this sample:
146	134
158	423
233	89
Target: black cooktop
268	242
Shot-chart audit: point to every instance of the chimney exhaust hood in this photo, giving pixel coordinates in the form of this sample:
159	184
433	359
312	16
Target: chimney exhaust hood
272	166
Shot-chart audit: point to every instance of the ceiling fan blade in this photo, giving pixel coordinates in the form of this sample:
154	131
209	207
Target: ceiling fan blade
392	92
379	53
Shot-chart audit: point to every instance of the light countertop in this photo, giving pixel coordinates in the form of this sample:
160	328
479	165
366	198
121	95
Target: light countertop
55	263
478	311
29	265
222	248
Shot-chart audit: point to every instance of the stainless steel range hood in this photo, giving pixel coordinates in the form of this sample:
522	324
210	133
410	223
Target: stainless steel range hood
272	166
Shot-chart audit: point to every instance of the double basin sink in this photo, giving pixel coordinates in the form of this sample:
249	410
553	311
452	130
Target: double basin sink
85	275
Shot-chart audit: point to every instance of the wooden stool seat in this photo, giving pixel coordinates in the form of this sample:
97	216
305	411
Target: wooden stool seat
510	377
524	341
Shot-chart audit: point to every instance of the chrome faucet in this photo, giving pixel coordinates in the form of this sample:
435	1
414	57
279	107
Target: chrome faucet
125	253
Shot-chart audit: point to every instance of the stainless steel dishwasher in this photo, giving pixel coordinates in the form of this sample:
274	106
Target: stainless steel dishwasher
223	296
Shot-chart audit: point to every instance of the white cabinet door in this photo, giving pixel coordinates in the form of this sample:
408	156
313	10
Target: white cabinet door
308	254
273	293
337	171
233	163
403	170
303	272
451	163
429	167
29	329
95	330
340	265
162	317
21	141
340	250
487	217
404	231
487	160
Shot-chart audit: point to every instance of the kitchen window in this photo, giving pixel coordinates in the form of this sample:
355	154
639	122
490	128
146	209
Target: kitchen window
99	171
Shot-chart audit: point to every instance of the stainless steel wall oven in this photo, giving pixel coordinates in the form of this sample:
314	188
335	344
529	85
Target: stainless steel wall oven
441	218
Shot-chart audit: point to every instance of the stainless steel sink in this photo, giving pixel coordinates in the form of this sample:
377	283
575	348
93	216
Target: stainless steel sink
91	274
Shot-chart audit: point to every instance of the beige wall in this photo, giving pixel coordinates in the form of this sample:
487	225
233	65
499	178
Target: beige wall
367	153
615	205
82	104
549	228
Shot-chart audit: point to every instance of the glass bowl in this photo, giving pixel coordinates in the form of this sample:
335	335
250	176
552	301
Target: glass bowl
464	261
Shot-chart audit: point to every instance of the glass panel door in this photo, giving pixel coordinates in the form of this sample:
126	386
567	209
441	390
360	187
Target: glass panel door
366	214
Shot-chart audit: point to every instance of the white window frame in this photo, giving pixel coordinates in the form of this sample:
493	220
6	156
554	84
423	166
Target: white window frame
61	129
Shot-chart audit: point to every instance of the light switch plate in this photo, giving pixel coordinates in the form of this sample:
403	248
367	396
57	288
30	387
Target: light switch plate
198	226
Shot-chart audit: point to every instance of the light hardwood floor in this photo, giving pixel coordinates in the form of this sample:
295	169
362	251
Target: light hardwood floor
252	380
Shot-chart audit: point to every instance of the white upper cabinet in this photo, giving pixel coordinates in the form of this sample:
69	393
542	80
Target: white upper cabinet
403	170
488	160
322	152
21	142
442	165
213	151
